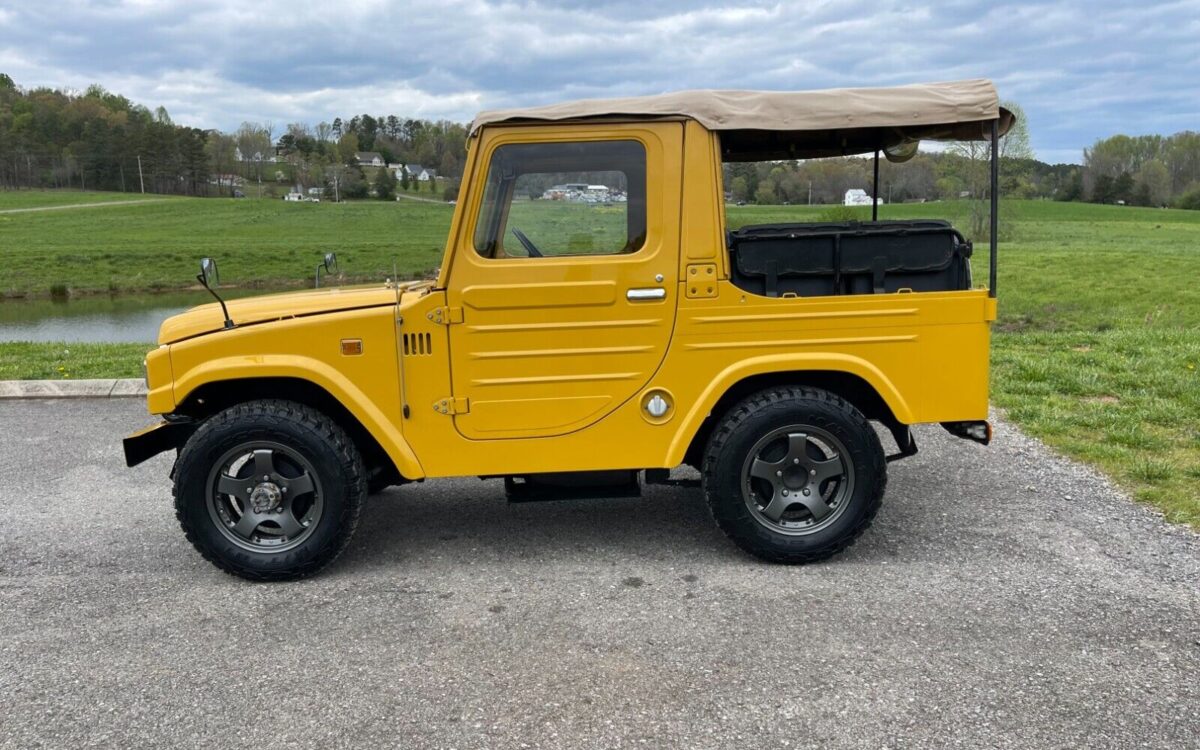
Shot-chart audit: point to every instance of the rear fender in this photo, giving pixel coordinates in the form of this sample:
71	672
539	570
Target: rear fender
783	363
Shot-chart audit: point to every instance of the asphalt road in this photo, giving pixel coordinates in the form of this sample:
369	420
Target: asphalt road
1004	598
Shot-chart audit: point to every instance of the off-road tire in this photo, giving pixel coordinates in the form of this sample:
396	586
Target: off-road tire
736	435
333	456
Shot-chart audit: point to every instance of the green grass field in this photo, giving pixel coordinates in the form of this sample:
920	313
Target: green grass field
20	199
1096	352
22	360
157	246
1097	347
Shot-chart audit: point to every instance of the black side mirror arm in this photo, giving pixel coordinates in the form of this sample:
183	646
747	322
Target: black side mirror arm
217	297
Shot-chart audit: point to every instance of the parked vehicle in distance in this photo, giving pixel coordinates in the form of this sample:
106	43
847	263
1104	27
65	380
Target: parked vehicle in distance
575	347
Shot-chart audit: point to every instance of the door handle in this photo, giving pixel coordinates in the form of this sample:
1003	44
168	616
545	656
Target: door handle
645	294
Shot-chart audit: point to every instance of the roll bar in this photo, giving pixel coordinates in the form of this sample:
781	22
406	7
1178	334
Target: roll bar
993	197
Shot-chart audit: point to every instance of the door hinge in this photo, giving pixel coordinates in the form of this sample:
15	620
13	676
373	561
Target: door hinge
701	280
452	405
445	315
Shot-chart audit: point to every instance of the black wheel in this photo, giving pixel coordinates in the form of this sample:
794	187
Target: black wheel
269	490
794	475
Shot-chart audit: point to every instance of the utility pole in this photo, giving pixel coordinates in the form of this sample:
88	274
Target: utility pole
810	192
140	178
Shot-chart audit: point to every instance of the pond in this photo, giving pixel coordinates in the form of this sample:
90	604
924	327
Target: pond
100	319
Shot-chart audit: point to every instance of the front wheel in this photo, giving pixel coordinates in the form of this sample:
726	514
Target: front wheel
794	475
269	490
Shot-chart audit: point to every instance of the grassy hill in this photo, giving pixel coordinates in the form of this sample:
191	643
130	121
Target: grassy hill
1097	349
156	246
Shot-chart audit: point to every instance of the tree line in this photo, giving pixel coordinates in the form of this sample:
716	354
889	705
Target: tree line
97	140
102	141
324	155
1144	170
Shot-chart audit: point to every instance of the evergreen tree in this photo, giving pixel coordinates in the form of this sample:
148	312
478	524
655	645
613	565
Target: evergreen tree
385	184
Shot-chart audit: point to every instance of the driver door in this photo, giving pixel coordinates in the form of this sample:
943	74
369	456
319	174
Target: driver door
562	289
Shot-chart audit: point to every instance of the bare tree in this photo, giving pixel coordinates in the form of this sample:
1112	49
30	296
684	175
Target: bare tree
221	149
971	167
254	146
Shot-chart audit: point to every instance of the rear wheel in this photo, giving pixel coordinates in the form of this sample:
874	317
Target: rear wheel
794	475
269	490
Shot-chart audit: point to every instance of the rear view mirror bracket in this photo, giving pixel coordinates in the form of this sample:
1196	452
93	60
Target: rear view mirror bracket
209	277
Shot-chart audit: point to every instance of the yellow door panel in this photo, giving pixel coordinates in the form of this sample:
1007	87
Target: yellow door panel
547	294
554	340
537	415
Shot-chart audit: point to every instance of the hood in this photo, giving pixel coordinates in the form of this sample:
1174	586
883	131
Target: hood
269	307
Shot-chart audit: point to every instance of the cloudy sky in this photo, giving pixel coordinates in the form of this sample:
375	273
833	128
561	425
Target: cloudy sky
1082	69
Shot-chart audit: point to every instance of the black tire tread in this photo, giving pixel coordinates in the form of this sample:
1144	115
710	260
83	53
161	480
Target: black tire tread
279	411
783	397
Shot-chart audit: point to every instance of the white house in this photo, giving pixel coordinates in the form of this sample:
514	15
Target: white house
416	172
256	156
369	158
859	197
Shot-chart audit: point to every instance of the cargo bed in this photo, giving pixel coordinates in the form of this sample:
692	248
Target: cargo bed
822	259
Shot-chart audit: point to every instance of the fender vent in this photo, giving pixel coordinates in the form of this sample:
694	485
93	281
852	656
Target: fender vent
417	344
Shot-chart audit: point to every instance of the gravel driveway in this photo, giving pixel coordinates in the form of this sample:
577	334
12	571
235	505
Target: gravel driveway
1004	598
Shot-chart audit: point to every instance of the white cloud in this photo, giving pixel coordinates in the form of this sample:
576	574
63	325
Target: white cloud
1081	70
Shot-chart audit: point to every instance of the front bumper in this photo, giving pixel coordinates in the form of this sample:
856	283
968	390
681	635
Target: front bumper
155	439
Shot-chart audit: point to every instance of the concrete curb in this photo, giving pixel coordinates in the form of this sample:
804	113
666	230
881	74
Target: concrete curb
106	388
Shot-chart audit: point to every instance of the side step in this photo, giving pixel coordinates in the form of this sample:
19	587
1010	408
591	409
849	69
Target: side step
581	485
663	477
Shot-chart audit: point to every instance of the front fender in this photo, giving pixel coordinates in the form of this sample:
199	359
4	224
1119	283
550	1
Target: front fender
780	363
319	373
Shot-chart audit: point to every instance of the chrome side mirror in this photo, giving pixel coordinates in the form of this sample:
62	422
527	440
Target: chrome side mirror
328	265
209	276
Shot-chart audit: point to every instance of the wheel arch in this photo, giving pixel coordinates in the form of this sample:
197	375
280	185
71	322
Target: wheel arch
862	385
377	440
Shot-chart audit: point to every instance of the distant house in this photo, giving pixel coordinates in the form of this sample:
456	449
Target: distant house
859	197
369	158
416	172
226	179
582	192
256	156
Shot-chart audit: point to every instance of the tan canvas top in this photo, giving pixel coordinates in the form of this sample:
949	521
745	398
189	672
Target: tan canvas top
934	111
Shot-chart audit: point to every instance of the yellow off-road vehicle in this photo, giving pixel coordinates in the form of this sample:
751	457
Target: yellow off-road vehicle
593	326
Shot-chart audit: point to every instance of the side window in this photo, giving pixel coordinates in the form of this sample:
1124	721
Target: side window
552	199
